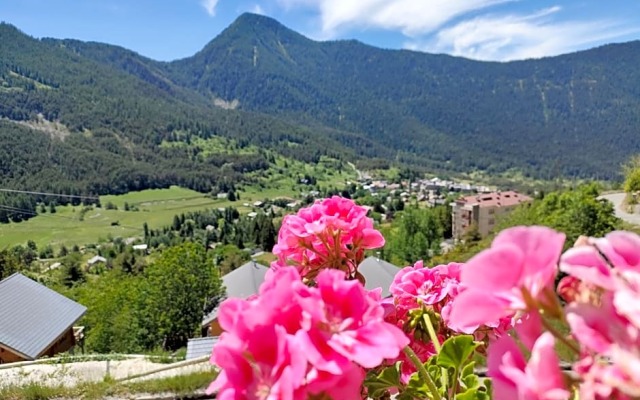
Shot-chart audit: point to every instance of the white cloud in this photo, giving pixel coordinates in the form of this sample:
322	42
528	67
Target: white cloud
210	6
516	37
257	9
411	17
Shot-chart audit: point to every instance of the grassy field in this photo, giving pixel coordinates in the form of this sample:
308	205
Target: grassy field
182	385
70	225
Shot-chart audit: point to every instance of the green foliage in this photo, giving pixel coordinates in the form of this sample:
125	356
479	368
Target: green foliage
180	284
73	273
632	175
182	386
89	118
456	124
133	311
456	351
575	212
229	257
378	384
114	313
415	234
451	371
10	263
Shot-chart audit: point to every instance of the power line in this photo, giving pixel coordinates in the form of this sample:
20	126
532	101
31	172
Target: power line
50	194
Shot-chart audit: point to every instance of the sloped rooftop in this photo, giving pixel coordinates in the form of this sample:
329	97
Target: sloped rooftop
33	316
378	274
242	282
246	280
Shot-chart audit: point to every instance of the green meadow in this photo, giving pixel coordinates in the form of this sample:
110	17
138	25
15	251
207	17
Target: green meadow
157	207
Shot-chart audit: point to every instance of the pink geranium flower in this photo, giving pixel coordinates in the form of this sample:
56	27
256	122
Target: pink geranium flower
292	341
417	285
515	379
332	233
342	324
520	267
622	252
276	370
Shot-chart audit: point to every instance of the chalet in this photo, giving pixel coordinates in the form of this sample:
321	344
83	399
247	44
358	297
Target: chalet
36	321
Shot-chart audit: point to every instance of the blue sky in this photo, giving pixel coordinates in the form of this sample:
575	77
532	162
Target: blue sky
479	29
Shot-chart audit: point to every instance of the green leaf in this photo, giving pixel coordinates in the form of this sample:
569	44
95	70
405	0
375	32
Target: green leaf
379	384
456	351
468	376
473	394
416	388
468	369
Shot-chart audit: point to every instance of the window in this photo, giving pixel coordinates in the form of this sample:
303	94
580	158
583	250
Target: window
492	221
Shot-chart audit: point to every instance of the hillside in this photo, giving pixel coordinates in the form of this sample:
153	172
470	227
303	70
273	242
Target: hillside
95	124
572	115
91	118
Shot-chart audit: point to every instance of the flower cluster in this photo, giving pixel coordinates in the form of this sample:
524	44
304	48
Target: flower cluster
515	277
294	341
423	296
604	314
332	233
315	332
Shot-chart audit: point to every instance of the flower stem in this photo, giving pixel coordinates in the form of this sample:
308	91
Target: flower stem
560	336
422	372
432	333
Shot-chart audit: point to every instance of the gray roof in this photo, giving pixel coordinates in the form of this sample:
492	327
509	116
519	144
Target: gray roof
242	282
378	274
33	316
246	280
200	347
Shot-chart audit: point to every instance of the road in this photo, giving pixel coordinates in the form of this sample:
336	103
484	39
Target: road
617	199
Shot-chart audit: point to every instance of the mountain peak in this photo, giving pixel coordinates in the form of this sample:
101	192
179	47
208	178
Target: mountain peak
250	35
251	18
256	24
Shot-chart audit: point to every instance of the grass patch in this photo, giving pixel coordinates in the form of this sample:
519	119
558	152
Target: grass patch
182	385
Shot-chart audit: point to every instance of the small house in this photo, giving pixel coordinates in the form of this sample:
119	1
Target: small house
96	259
141	247
242	282
36	321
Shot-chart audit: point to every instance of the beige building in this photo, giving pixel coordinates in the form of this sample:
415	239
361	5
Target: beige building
483	210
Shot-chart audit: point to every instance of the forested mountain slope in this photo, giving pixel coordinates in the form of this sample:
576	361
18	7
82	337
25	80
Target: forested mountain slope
96	116
572	115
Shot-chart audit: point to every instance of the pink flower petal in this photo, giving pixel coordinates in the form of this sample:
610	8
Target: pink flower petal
543	368
530	328
472	308
540	246
494	270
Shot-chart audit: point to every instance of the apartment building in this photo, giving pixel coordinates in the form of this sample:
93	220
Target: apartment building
483	210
